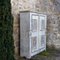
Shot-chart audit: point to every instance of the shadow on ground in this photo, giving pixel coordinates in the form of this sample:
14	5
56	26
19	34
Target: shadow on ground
49	54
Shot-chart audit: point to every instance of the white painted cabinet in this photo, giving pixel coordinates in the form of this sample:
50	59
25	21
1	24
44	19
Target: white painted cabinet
32	33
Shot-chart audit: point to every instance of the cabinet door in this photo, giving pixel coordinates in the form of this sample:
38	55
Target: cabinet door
42	23
42	30
34	32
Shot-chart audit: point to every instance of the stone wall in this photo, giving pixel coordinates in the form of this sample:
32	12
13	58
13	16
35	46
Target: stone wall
47	7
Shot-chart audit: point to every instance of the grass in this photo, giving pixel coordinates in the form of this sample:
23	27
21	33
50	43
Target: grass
49	51
44	53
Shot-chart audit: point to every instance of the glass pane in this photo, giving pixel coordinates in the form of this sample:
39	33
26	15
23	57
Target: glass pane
42	24
34	25
33	43
42	40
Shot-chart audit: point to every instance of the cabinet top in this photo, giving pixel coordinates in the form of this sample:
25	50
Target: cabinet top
31	12
25	11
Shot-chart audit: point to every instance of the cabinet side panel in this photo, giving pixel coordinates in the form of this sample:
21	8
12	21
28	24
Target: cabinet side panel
24	34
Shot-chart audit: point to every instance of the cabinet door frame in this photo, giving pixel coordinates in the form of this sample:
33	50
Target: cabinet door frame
32	34
42	31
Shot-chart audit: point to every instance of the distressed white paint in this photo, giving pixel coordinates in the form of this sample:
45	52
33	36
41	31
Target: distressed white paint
32	36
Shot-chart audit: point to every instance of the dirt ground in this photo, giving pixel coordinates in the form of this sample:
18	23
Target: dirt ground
49	54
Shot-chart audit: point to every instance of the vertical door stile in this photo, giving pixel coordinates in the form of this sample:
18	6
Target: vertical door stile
37	31
30	35
45	30
39	37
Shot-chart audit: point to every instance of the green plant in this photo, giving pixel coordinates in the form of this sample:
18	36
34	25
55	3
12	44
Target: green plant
6	31
44	53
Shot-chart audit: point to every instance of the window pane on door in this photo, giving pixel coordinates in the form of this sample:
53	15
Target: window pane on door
33	43
42	24
34	25
43	39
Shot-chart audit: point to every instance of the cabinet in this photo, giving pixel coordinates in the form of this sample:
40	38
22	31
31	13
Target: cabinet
32	33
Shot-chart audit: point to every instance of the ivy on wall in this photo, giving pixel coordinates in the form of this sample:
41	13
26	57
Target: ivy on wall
6	31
